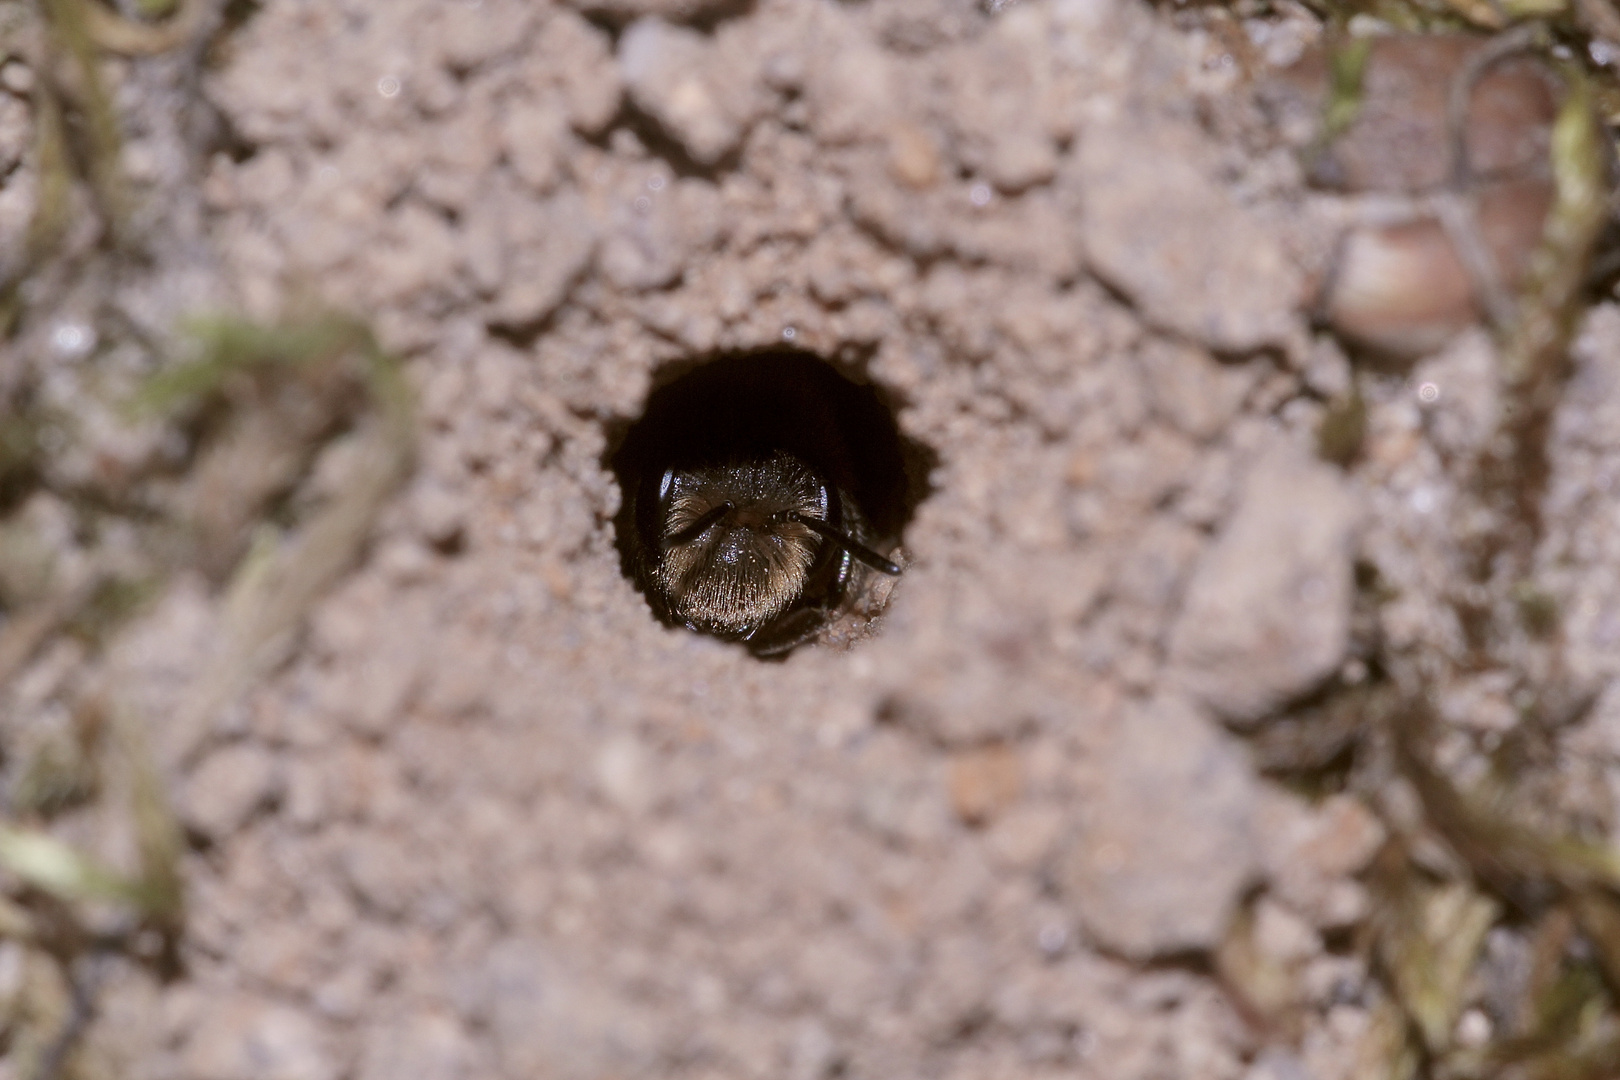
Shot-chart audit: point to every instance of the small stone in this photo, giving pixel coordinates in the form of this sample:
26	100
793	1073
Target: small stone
1022	159
228	787
680	77
1165	845
548	249
382	872
424	1047
1267	613
650	248
244	1038
623	774
587	75
17	77
1192	391
439	513
467	37
984	781
1282	935
914	156
1193	259
851	89
1311	855
1025	835
1474	1029
534	133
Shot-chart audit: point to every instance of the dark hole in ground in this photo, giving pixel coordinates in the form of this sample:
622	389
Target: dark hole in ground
749	406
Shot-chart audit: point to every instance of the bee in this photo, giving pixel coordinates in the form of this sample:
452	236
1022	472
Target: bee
740	518
761	551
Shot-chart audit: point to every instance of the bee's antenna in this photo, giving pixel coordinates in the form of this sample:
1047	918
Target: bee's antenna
864	554
698	527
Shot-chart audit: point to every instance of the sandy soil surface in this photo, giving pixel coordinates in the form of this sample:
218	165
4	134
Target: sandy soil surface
483	816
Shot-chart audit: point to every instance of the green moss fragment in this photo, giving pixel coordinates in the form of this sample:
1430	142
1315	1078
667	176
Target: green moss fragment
1343	428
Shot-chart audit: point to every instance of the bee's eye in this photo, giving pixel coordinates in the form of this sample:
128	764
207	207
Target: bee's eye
665	486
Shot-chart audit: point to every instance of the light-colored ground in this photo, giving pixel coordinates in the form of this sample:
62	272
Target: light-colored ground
489	819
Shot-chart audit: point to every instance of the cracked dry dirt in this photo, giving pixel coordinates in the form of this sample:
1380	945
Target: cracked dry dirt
487	818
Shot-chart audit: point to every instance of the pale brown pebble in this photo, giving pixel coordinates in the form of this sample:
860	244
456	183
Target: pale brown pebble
705	96
1165	843
914	156
548	249
17	77
228	787
984	781
438	512
852	89
1025	835
425	1046
1402	289
1158	228
239	1037
1266	616
1191	390
1312	854
468	37
586	73
534	137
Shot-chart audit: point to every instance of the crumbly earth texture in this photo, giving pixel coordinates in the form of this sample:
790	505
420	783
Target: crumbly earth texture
483	816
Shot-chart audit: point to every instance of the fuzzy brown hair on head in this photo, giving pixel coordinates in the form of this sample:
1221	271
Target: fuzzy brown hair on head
754	561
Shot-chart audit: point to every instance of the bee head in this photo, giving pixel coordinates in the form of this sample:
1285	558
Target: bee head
733	550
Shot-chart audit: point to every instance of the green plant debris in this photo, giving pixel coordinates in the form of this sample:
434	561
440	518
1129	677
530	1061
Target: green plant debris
1538	609
111	603
1535	351
59	774
71	37
224	348
1343	428
155	9
1347	65
1266	987
1429	937
53	204
161	25
46	863
275	586
1498	848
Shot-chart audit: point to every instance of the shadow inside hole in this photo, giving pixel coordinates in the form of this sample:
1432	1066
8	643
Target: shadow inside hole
748	406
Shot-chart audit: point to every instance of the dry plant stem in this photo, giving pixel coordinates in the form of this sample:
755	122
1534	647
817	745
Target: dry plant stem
1458	214
111	31
1501	851
52	204
114	33
1461	92
273	590
26	630
81	1010
1511	471
68	24
1456	209
1598	913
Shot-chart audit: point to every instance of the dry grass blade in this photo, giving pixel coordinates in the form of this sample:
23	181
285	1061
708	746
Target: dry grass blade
273	589
1429	937
1534	354
69	24
1500	850
49	864
113	32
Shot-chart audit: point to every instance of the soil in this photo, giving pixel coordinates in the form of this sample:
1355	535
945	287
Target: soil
485	816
